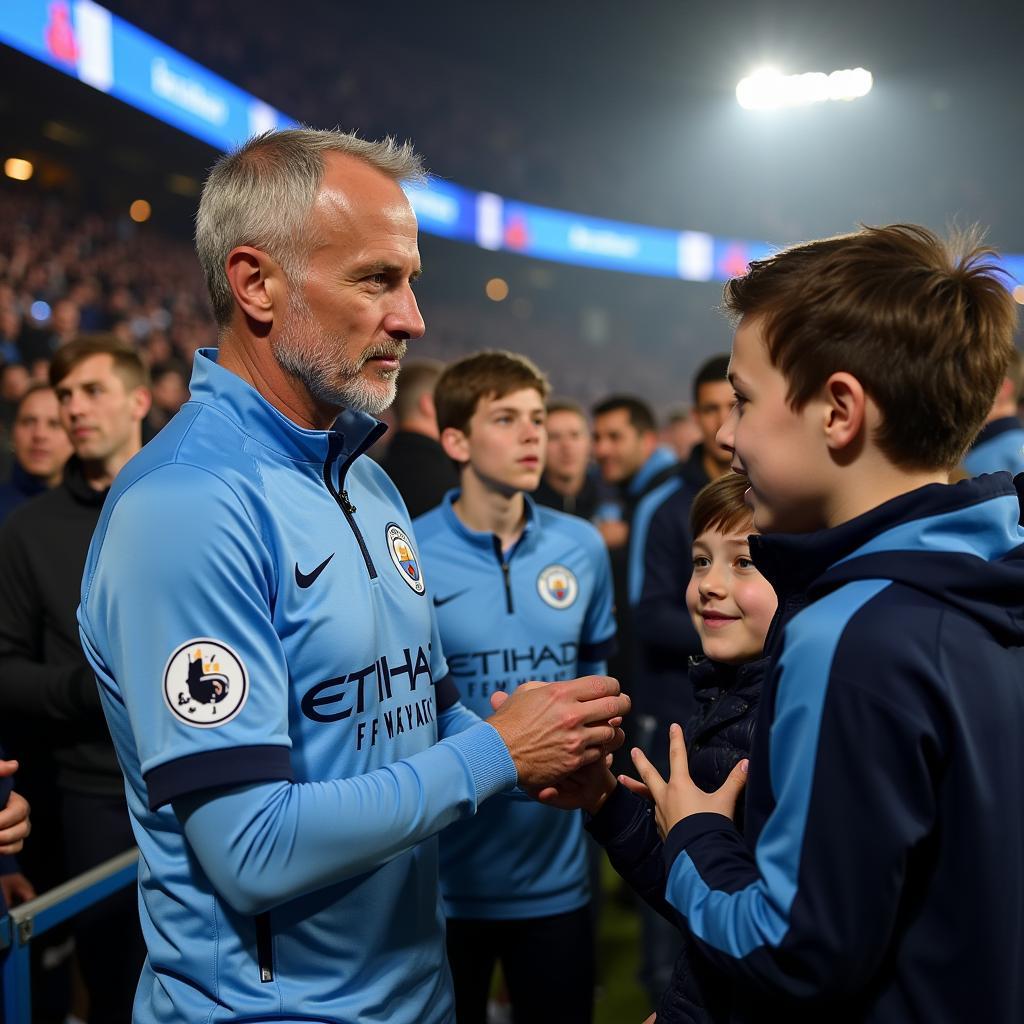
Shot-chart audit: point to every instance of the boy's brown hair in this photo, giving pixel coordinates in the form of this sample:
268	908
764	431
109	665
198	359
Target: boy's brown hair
719	506
926	326
127	363
491	374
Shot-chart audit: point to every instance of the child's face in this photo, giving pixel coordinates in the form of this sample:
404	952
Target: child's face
507	439
783	452
731	603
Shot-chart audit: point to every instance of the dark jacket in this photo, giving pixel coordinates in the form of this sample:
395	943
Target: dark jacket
720	733
584	503
420	470
880	878
718	736
48	694
18	490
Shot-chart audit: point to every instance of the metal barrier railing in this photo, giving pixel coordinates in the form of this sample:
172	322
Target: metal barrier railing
29	920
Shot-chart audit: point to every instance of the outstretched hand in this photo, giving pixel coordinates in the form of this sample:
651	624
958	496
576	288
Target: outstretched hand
680	797
554	729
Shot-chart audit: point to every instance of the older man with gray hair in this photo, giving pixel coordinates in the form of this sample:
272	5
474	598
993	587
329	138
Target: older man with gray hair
271	670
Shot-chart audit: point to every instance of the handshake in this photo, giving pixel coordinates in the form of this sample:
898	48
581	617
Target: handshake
552	730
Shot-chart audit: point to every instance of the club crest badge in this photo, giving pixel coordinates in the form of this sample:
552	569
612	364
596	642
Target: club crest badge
557	586
205	683
403	554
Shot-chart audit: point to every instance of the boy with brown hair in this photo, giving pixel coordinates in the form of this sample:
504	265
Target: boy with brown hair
522	592
881	873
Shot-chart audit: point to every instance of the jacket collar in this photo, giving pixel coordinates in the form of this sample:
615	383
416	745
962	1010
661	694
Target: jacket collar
77	486
659	460
212	385
1003	425
792	561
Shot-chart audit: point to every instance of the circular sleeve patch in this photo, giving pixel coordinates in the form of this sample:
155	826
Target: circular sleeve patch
403	554
205	683
557	586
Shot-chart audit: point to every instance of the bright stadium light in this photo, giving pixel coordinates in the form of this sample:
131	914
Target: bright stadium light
769	89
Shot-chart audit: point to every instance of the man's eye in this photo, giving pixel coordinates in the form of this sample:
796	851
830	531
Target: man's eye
744	563
701	561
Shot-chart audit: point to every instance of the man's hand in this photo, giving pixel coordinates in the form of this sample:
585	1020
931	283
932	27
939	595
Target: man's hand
587	788
553	729
680	796
14	823
16	888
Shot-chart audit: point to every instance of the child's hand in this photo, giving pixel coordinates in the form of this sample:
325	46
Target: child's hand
680	796
587	788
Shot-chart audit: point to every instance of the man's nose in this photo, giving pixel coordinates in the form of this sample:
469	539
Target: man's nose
405	321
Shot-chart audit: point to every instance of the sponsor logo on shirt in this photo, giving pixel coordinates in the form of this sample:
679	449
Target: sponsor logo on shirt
371	697
557	586
205	683
404	556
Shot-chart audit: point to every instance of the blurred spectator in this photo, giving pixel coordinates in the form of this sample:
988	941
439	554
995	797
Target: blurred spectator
570	482
713	399
681	432
65	320
49	703
170	393
10	335
415	460
14	382
40	447
1000	445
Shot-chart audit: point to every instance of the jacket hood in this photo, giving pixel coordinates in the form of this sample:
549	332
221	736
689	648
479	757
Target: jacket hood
962	544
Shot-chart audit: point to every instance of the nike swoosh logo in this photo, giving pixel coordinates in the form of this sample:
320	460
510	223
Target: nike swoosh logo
438	601
308	579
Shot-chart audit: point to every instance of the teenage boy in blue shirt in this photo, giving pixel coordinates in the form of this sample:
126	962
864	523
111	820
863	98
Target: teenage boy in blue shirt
522	592
880	877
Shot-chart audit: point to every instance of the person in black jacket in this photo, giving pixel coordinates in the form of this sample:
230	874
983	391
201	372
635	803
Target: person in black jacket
731	605
39	446
49	702
415	460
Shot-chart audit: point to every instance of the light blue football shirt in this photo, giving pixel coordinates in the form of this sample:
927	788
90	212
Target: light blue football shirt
540	611
255	609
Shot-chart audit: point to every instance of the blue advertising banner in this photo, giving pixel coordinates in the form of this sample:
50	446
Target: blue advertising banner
84	40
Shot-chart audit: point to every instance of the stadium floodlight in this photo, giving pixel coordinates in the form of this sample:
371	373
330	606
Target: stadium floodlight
769	89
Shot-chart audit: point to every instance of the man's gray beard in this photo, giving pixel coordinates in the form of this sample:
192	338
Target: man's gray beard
306	351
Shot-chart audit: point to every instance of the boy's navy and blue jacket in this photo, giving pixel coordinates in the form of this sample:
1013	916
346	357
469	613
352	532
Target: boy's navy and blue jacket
998	448
881	874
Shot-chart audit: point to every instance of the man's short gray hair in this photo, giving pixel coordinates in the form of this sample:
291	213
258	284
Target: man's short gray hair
262	194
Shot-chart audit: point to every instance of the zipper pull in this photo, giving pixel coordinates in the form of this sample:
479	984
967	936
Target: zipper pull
346	504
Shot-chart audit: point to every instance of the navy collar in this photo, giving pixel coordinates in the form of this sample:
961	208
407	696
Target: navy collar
487	541
792	561
658	461
1003	425
223	390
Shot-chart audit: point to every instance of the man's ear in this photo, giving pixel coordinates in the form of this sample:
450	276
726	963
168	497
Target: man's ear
455	444
845	403
256	283
142	401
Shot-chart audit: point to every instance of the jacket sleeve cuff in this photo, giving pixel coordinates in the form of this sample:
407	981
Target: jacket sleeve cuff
618	816
690	829
490	764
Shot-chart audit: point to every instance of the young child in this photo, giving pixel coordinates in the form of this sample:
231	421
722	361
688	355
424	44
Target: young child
731	605
880	877
521	593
